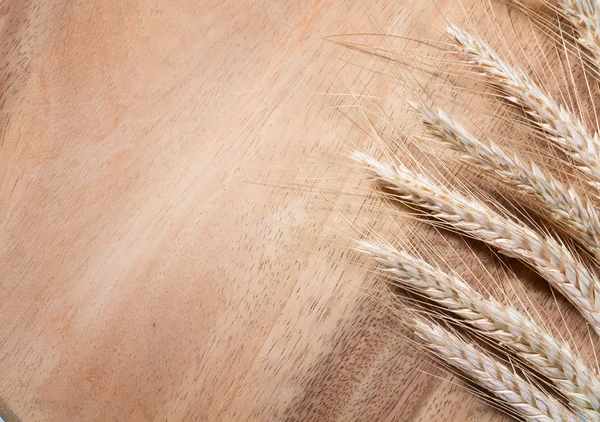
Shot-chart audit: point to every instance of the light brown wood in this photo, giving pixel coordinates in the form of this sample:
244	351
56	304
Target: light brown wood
145	275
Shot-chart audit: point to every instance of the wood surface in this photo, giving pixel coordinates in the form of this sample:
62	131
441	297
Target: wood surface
154	262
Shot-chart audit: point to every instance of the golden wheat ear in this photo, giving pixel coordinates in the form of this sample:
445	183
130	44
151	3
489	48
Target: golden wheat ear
525	398
560	126
503	324
562	203
551	259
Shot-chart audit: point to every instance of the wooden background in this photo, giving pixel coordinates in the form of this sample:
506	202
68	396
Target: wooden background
145	274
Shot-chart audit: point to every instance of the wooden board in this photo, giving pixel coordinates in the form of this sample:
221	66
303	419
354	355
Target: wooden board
145	275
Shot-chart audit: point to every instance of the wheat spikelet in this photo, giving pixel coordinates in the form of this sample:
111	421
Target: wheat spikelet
544	254
564	205
559	124
583	15
556	360
527	399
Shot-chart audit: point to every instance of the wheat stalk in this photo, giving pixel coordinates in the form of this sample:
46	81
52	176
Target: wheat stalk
559	124
550	357
563	204
527	399
583	15
544	254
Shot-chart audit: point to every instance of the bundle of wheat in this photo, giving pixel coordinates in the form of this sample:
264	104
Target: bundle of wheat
569	209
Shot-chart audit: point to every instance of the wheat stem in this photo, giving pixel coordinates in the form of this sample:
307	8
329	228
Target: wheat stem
527	399
550	357
560	125
544	254
563	204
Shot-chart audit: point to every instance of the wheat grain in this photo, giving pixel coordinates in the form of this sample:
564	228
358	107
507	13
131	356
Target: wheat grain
544	254
562	203
527	399
550	357
559	124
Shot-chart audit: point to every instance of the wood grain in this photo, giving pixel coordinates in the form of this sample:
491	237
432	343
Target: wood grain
145	276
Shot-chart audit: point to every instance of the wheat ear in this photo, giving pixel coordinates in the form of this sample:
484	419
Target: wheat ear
527	399
550	357
583	15
544	254
563	204
559	124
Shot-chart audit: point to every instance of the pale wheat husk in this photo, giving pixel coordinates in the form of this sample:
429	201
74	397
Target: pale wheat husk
560	126
563	204
551	259
528	400
504	324
583	15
